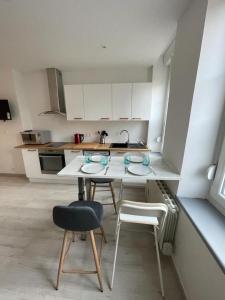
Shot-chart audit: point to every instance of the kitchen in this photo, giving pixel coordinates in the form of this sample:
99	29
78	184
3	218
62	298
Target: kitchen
137	95
124	103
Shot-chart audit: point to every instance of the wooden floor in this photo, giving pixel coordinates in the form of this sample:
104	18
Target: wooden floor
30	245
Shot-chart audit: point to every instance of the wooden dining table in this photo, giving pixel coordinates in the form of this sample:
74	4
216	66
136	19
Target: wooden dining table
115	169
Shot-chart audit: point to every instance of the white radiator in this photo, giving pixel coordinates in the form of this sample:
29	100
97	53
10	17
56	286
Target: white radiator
157	191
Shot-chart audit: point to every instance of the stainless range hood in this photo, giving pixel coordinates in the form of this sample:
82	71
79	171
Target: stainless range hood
56	93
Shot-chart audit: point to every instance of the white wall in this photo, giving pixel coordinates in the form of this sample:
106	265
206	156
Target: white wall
159	91
196	103
200	275
106	75
207	107
183	77
10	158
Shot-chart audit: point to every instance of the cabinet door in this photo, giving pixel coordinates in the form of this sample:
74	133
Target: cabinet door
141	101
74	102
97	102
71	154
31	163
121	101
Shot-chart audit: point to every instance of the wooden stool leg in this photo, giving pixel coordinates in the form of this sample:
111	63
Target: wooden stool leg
97	264
93	194
113	196
62	257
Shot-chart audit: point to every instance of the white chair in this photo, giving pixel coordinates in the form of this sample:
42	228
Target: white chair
142	213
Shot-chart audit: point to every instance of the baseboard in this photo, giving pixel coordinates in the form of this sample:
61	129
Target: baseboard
12	175
48	180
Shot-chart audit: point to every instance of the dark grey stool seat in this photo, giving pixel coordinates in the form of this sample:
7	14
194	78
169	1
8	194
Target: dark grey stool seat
79	216
101	182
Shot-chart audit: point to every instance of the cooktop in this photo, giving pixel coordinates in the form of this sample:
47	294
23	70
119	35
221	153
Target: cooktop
56	144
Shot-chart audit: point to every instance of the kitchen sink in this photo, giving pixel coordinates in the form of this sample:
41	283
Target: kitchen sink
136	146
126	145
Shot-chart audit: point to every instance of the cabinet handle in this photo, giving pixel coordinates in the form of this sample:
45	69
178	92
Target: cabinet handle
136	118
74	151
32	150
124	118
107	118
78	118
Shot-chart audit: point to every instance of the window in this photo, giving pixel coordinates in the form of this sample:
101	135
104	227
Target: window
223	188
217	192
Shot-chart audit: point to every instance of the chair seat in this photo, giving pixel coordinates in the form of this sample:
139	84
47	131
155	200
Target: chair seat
139	219
96	206
101	180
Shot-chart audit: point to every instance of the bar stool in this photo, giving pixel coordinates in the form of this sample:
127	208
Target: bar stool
77	217
103	182
142	213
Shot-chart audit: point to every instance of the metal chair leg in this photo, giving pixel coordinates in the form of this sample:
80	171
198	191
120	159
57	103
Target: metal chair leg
113	196
121	190
97	263
158	260
62	257
93	193
115	255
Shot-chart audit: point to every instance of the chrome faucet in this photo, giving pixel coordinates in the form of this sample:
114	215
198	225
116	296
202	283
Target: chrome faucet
128	135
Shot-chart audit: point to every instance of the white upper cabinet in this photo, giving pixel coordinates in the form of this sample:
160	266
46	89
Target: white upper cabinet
74	102
97	101
141	101
121	101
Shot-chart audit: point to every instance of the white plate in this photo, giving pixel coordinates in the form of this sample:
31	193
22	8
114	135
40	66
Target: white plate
135	158
139	170
96	158
92	168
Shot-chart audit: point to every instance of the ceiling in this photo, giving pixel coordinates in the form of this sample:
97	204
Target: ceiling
71	34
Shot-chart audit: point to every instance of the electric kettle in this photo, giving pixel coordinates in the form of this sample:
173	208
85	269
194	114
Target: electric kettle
78	138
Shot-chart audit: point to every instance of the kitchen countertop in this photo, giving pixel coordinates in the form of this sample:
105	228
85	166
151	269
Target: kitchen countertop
82	146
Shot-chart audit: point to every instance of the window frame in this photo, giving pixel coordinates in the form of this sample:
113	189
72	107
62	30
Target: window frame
216	197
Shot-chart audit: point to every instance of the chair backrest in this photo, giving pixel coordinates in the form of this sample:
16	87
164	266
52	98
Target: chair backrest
75	218
159	210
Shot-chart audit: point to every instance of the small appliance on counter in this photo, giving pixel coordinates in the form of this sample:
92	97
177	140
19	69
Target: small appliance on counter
5	113
78	138
36	136
103	134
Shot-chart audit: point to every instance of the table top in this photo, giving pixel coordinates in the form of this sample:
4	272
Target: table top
161	170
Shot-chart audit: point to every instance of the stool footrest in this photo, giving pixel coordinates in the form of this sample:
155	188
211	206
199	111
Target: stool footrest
73	271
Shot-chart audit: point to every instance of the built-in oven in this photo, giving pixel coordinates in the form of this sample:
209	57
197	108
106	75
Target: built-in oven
51	161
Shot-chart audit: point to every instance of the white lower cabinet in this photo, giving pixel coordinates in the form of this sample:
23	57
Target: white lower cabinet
31	163
71	154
